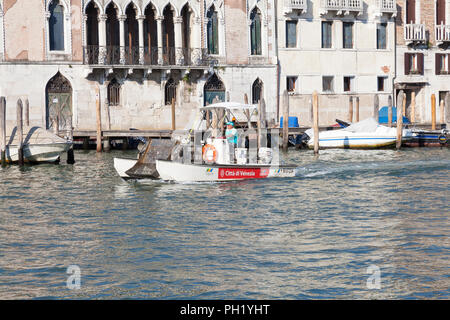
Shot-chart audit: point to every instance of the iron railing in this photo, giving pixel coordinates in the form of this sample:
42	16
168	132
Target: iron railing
443	33
415	32
116	55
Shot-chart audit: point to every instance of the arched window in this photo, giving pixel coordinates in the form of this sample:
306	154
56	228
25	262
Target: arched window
56	26
170	91
255	32
212	31
214	90
257	90
114	93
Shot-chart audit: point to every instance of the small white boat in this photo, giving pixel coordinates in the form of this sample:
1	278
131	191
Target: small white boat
219	160
174	171
361	135
39	145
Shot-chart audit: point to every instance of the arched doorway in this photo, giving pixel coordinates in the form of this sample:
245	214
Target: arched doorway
214	90
59	103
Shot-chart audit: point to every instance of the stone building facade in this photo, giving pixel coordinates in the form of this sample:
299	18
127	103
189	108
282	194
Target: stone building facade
138	54
423	38
341	49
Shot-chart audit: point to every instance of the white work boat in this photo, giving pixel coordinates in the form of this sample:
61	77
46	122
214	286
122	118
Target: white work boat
218	161
39	145
366	134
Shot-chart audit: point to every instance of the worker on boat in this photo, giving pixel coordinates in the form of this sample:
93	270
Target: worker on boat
232	138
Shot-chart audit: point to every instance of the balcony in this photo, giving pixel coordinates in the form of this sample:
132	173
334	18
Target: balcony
442	34
342	7
133	57
301	6
414	33
388	7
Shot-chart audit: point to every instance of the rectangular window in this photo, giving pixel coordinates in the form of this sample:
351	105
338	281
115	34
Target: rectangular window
291	83
348	84
347	35
328	84
381	35
291	34
381	84
327	34
442	63
414	63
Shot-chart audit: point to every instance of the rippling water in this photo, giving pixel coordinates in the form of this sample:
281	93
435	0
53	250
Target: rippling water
312	236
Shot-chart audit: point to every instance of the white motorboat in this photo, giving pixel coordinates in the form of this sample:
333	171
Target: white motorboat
39	145
219	159
364	134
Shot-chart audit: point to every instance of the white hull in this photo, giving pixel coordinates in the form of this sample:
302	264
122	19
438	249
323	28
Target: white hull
174	171
356	141
123	165
37	152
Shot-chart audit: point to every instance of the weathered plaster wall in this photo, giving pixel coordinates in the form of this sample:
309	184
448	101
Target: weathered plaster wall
24	30
236	31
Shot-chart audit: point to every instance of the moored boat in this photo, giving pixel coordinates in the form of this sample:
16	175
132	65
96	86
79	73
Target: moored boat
366	134
39	145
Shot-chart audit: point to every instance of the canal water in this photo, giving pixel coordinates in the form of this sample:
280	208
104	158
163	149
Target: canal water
351	225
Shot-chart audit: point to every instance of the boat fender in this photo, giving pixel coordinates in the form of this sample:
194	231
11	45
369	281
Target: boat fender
209	153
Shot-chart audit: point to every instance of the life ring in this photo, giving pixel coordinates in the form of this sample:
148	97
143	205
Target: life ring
209	153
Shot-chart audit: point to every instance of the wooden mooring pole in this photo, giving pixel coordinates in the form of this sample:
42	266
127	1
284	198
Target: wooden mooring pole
390	111
357	110
3	130
376	107
70	154
173	114
19	132
400	101
285	121
315	100
99	120
433	112
350	109
27	112
413	107
441	112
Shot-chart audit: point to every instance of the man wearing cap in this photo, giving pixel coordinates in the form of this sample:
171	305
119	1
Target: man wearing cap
232	138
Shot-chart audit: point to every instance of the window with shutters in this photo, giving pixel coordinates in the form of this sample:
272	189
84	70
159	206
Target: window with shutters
327	34
410	11
414	63
440	12
349	84
442	67
381	84
381	36
347	35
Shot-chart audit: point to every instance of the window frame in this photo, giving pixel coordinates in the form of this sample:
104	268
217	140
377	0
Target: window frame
295	83
351	84
330	23
344	23
384	78
116	93
295	23
214	20
67	31
331	91
385	36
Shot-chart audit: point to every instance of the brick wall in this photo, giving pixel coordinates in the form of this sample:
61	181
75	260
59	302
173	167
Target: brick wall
236	31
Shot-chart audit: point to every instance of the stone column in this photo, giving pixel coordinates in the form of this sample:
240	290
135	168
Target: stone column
84	39
122	19
159	20
140	20
221	30
196	56
102	38
178	29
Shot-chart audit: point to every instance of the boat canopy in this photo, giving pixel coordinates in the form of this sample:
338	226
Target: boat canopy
367	125
232	106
